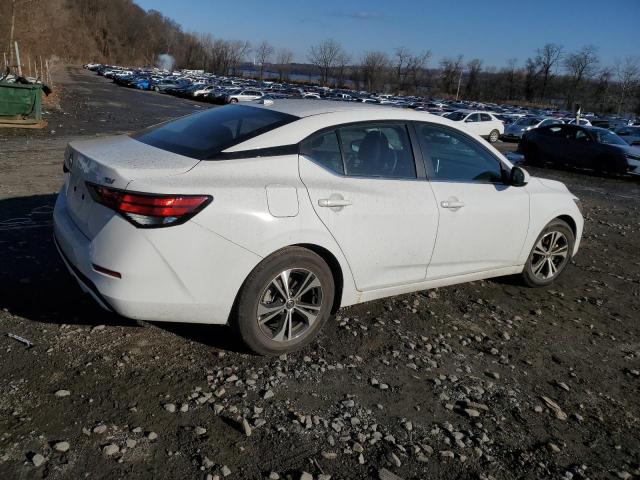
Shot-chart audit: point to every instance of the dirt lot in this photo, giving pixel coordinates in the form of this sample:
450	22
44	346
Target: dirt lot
478	381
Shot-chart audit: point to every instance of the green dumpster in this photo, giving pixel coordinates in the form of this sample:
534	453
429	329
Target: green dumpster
20	104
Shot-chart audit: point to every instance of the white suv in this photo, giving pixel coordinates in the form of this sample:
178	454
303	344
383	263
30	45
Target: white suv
244	96
479	123
271	216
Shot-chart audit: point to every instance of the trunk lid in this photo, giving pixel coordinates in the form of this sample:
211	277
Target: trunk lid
113	162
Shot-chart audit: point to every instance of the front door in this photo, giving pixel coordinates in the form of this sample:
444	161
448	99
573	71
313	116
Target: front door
483	221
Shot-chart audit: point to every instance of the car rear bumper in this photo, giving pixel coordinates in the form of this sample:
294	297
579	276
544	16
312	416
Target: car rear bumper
177	274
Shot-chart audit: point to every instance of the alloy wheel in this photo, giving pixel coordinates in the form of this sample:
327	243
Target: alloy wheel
549	255
289	305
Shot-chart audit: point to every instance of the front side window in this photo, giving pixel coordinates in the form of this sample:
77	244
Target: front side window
324	150
205	134
377	150
456	157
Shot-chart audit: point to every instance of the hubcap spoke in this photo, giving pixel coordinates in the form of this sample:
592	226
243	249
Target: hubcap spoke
267	312
309	316
311	281
286	329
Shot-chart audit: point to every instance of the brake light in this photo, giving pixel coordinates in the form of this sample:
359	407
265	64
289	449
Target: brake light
147	210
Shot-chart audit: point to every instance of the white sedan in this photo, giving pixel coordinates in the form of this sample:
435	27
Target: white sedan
272	216
479	123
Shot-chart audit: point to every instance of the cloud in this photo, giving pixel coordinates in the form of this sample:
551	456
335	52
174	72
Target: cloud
357	15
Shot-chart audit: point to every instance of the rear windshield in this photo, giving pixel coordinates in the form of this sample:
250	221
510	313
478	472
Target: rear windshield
204	135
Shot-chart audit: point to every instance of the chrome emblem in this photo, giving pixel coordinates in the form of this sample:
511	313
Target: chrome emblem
109	180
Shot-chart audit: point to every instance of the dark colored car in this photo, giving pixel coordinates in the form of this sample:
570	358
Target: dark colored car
582	147
630	134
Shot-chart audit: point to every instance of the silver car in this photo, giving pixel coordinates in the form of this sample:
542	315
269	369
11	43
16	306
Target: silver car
515	130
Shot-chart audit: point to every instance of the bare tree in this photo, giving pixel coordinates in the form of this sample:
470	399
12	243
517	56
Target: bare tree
374	67
530	76
511	72
237	50
628	76
547	59
284	58
474	67
342	62
324	56
263	55
417	69
580	65
450	73
402	56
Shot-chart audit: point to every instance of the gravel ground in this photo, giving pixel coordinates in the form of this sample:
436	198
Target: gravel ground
487	380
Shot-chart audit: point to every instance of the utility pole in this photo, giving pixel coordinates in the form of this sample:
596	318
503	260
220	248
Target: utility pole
459	80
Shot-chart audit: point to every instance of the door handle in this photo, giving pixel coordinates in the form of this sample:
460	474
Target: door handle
452	204
334	202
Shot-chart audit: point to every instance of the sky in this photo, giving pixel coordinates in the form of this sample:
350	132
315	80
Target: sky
491	30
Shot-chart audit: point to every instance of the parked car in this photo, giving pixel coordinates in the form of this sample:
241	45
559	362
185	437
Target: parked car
583	121
582	147
631	135
244	96
203	90
271	216
479	123
515	130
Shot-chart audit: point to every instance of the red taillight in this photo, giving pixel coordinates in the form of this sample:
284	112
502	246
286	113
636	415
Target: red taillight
149	210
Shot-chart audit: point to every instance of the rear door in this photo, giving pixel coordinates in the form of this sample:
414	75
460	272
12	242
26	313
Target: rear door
483	221
367	189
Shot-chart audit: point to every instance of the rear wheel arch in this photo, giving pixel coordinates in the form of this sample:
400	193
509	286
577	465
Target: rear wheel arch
336	270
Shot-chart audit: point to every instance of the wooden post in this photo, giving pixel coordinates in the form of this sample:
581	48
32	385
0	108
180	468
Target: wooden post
13	22
46	62
18	59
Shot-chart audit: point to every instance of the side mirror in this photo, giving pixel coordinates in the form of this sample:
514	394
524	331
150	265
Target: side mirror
519	177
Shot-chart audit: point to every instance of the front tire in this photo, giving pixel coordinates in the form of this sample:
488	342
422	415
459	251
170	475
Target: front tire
550	255
284	302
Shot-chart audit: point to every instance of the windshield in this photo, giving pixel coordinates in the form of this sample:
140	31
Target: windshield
605	136
205	134
456	116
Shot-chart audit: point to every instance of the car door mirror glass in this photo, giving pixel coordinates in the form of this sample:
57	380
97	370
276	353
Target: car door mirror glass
519	177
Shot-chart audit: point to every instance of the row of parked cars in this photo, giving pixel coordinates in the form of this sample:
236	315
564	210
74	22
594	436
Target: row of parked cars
543	134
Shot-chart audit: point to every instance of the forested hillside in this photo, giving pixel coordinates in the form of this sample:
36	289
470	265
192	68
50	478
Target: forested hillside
113	31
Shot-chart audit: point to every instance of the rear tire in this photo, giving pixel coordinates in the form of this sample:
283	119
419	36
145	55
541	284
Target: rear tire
550	255
532	156
494	136
272	319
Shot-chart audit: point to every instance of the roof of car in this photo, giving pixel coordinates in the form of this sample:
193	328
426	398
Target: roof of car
306	108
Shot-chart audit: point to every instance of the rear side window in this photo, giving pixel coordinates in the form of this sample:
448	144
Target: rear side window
324	150
206	134
377	150
485	117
